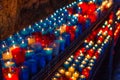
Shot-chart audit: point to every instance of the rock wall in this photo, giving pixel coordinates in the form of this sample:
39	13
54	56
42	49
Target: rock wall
8	16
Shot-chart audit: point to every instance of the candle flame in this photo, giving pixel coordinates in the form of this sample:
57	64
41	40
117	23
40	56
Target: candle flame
82	76
62	29
8	62
3	45
76	15
7	53
9	75
22	41
61	38
14	46
48	49
29	51
24	29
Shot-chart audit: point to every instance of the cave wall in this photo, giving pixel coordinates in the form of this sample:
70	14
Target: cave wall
17	14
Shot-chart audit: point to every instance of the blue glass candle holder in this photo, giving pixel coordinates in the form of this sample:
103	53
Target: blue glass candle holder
24	73
85	0
98	12
52	18
79	26
56	33
80	69
79	10
29	54
99	2
88	23
50	23
82	78
40	23
36	47
56	48
10	39
66	36
66	65
18	38
63	21
3	46
37	27
79	1
49	53
13	43
24	44
77	62
30	29
24	32
32	65
59	22
17	35
69	23
50	29
76	32
44	31
44	25
69	17
55	25
55	15
41	60
70	60
73	21
62	43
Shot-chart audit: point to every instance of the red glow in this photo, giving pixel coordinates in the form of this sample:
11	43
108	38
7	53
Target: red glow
71	30
85	72
110	32
92	17
18	55
44	40
63	78
70	10
90	52
96	55
101	38
81	19
92	8
14	75
84	6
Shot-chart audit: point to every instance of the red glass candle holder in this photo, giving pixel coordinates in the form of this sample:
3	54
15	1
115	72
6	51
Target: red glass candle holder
18	55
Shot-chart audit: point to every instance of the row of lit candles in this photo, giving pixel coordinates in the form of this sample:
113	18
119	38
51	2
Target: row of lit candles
18	54
81	64
62	29
117	26
30	29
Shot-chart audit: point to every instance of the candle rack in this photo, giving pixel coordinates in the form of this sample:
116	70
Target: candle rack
56	62
52	67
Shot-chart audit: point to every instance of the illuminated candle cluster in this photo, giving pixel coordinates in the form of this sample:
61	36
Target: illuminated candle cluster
117	31
105	5
80	65
30	49
117	25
